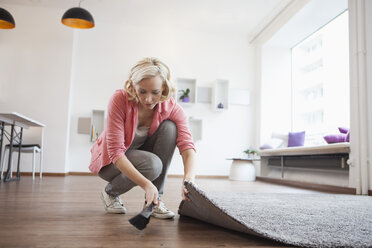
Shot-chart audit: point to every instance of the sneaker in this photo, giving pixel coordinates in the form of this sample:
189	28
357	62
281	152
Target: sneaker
113	205
162	212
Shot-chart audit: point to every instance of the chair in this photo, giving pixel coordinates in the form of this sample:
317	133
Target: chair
31	143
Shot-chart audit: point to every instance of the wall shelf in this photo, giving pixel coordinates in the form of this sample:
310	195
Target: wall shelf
183	84
196	128
97	124
186	104
240	97
84	125
204	95
220	95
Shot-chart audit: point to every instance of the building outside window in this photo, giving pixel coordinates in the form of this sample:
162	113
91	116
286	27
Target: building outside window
320	81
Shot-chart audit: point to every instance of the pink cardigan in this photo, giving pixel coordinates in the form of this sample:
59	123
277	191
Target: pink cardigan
121	126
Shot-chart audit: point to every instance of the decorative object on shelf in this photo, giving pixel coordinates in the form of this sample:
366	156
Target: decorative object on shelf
251	152
186	88
220	95
97	124
78	18
185	97
6	19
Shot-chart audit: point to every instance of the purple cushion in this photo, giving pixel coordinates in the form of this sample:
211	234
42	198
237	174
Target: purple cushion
347	138
343	130
296	139
335	138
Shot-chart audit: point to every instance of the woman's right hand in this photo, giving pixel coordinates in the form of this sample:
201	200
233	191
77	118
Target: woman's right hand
127	168
152	194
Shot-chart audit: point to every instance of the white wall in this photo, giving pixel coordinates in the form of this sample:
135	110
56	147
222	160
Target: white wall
105	54
61	74
35	75
368	29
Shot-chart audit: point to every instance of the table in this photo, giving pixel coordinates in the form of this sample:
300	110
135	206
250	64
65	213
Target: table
15	138
242	169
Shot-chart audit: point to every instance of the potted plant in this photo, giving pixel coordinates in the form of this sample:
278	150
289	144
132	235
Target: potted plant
251	153
185	95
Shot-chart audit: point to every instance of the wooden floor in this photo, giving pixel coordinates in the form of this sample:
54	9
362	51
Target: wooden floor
67	212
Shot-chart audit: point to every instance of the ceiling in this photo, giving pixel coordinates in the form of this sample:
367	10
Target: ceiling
308	20
228	15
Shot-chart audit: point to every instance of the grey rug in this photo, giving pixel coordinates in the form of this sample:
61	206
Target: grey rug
309	220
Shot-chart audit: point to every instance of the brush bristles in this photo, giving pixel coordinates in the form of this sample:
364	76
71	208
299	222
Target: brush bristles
139	221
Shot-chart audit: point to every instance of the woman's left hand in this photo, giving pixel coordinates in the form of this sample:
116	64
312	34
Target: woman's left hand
188	157
185	192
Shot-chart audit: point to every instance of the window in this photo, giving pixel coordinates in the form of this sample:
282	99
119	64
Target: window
320	80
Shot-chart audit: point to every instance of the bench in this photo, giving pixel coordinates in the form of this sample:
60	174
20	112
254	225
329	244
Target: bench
322	157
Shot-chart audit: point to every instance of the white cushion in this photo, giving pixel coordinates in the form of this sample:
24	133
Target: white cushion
272	144
282	136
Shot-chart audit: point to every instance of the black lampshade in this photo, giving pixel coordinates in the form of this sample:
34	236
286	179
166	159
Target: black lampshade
78	18
6	20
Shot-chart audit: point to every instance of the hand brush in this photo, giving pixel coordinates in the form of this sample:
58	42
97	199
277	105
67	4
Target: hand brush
141	220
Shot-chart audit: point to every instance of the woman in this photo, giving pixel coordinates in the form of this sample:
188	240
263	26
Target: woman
144	125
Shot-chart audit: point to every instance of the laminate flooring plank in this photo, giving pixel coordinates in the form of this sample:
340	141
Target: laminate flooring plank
68	212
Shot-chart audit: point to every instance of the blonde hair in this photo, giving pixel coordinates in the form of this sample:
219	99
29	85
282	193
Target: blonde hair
148	68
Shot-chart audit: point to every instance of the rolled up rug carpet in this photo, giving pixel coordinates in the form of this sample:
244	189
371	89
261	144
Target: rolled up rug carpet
308	220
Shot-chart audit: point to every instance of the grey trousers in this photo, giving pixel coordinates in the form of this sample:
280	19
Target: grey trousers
152	160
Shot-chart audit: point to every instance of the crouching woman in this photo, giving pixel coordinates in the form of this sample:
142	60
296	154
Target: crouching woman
144	125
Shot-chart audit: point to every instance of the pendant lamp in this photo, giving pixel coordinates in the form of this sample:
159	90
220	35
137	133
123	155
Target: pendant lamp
78	18
6	20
